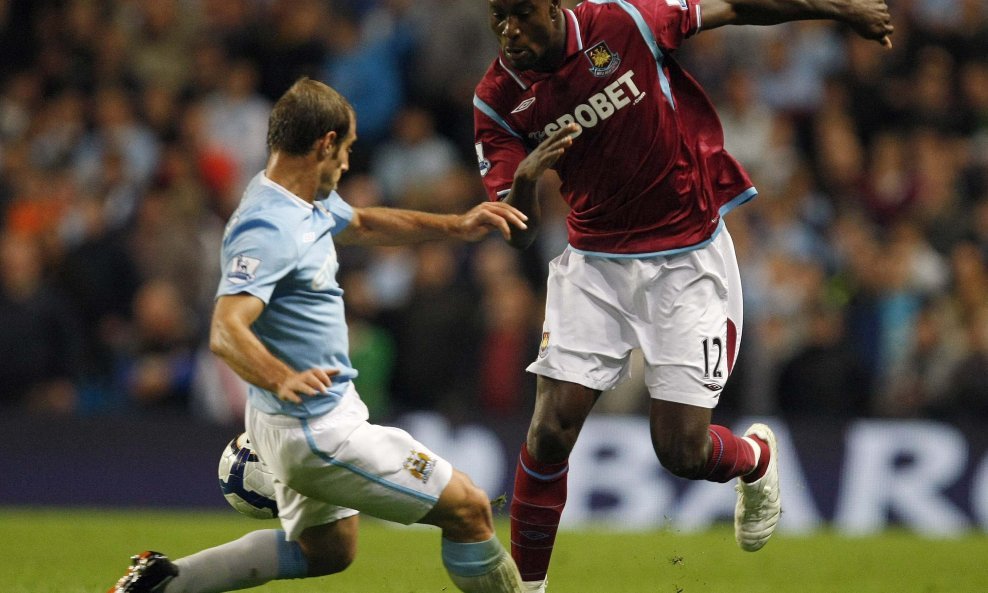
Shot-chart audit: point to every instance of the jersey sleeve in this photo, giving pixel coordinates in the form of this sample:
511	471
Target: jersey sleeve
341	211
499	152
256	255
670	21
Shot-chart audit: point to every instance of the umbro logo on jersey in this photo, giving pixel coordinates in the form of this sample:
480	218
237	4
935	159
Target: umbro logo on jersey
523	105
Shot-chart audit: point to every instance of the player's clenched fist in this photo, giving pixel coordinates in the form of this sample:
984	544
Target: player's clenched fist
870	19
546	154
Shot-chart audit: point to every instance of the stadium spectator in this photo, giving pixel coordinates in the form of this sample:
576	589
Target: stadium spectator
156	362
372	346
922	385
236	116
748	123
452	53
286	41
116	130
160	34
98	273
47	88
368	69
969	382
441	375
40	345
415	158
507	342
824	378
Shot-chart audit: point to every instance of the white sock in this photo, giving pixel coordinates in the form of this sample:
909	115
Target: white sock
754	447
256	558
481	567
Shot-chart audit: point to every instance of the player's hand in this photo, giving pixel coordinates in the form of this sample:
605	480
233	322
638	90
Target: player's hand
308	383
870	19
545	155
476	223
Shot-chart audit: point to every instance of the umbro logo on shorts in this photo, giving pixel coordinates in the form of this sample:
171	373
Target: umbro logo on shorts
713	386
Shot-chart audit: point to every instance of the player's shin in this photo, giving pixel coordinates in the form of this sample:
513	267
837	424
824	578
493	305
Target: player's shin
254	559
536	507
481	567
732	456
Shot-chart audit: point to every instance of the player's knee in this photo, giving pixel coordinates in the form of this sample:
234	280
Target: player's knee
469	518
327	561
329	548
551	442
474	514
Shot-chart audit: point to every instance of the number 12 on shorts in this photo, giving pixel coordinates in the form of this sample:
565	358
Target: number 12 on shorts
713	349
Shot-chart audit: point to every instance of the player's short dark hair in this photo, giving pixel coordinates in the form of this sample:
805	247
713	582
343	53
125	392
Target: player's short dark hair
306	112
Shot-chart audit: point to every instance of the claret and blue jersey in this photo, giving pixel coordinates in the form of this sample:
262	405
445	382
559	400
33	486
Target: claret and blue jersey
647	173
279	248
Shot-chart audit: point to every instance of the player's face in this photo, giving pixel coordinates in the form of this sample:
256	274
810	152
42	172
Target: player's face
529	31
338	162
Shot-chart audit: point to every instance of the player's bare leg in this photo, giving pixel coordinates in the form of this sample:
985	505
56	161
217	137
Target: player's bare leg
540	478
474	557
690	447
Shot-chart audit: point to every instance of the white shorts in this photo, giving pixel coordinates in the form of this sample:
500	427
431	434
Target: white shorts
336	465
683	311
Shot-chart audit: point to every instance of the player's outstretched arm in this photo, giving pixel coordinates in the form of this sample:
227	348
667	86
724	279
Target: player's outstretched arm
524	187
869	18
396	226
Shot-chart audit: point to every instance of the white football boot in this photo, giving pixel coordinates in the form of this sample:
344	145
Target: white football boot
534	586
759	503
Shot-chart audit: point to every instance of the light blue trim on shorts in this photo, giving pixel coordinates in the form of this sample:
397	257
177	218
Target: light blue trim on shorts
360	472
739	199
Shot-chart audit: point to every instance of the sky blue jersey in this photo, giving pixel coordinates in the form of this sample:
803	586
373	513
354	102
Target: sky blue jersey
279	248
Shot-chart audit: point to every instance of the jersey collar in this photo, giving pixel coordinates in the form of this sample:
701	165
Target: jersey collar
574	44
266	181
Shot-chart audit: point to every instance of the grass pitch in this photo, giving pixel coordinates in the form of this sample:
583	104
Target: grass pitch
85	551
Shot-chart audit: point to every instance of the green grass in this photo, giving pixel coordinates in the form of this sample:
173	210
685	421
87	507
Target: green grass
85	551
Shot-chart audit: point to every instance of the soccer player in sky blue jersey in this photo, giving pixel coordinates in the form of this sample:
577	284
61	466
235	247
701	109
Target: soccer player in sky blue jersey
595	94
279	323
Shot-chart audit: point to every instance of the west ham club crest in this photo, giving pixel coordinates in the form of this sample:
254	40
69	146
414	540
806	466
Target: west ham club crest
602	60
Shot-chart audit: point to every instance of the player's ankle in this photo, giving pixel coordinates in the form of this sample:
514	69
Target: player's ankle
762	455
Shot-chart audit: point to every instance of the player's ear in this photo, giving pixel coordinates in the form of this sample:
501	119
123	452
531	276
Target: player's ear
326	145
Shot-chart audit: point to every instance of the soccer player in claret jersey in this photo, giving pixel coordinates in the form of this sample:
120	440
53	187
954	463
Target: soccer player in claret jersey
595	94
279	323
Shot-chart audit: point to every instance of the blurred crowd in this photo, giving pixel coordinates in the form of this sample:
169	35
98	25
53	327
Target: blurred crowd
128	129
